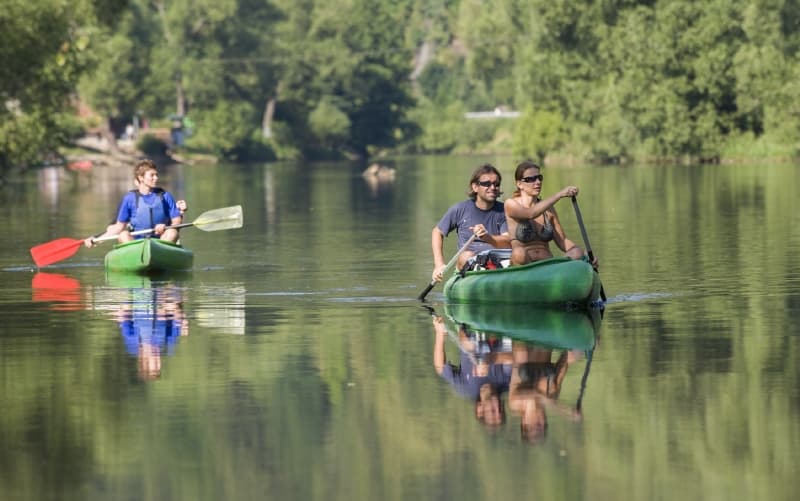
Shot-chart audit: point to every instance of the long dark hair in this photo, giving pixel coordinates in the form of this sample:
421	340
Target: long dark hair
520	170
476	175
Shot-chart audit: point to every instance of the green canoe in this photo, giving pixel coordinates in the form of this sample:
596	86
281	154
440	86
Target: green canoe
149	255
547	327
549	282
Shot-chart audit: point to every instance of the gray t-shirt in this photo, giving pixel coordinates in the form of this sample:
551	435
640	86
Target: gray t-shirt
465	214
469	385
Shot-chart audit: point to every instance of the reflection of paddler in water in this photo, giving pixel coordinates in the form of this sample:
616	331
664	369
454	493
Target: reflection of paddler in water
483	374
151	324
535	387
545	344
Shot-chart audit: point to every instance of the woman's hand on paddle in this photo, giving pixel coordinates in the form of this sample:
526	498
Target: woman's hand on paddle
89	242
568	191
159	228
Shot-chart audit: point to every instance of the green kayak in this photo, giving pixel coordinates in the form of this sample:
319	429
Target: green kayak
547	327
549	282
148	255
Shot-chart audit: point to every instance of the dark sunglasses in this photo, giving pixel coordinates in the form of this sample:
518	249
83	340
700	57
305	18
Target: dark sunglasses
486	184
531	179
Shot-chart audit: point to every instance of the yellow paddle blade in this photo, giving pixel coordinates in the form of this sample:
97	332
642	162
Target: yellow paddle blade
226	218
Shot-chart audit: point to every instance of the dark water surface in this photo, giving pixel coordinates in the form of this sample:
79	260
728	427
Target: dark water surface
294	362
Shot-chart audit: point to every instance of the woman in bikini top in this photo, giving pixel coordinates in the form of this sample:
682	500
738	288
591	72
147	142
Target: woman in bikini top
530	231
533	221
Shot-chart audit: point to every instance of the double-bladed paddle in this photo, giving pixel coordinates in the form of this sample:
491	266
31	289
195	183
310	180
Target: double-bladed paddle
447	268
226	218
586	240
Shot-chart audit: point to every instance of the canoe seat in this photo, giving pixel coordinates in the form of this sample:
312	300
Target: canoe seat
488	260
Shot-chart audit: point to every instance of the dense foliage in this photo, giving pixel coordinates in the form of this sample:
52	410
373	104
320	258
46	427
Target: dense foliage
602	80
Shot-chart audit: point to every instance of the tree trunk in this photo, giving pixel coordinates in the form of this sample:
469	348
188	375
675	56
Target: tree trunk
269	112
423	56
108	134
266	123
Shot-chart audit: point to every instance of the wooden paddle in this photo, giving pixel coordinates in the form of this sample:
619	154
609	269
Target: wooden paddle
226	218
586	240
447	268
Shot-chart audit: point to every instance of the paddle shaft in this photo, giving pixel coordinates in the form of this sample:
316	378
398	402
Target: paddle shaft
584	378
452	336
141	232
447	268
212	220
583	229
586	239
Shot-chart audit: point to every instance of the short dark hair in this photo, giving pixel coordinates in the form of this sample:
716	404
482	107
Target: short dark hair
143	166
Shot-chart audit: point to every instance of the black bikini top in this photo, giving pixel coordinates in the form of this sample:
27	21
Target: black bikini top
527	231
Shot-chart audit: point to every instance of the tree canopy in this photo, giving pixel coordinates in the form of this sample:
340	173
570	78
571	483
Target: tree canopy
604	80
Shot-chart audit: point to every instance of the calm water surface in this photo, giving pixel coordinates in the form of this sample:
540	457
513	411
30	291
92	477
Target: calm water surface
294	362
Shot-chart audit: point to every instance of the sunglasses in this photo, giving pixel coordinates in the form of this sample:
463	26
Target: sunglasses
486	184
531	179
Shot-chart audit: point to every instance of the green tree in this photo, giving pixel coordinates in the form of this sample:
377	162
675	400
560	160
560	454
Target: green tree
351	54
538	133
47	45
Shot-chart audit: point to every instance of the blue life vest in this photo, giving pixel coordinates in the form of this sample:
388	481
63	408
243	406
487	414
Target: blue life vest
148	216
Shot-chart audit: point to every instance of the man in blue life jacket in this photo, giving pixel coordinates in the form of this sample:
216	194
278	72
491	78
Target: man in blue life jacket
146	207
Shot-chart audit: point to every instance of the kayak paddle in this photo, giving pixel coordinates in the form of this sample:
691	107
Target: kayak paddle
447	268
57	250
586	240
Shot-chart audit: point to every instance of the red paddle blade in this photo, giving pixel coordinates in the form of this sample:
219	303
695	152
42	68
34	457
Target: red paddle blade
55	251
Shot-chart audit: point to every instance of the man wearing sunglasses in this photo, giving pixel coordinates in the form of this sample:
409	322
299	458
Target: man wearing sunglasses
481	215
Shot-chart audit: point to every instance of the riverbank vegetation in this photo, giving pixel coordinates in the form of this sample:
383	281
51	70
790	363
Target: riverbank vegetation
262	79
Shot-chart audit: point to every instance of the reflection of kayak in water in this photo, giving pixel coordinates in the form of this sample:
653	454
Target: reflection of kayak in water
127	280
551	328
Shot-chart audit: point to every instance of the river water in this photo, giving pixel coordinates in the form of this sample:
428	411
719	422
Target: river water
294	361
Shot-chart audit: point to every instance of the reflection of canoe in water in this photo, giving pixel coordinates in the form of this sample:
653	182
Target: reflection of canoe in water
551	328
554	281
148	255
